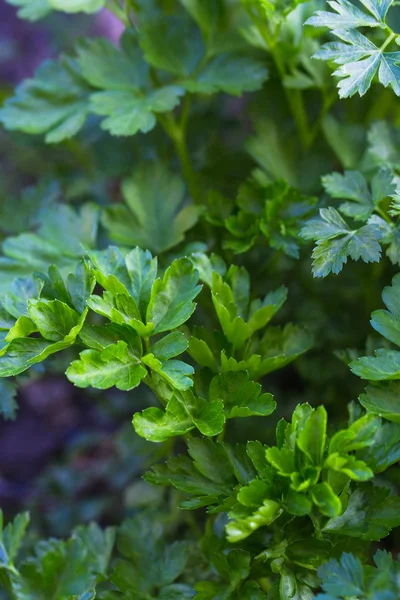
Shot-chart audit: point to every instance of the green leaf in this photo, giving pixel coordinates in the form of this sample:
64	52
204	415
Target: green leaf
120	309
169	346
155	425
127	113
172	44
241	397
253	494
114	366
348	575
22	327
55	102
128	280
327	501
353	186
278	347
142	270
99	545
239	529
106	67
355	469
371	513
282	459
210	459
236	330
53	319
155	215
73	6
206	265
312	438
358	435
275	210
61	570
171	297
230	74
385	449
208	15
208	476
335	241
148	561
8	405
51	245
32	10
22	353
11	538
361	60
348	17
350	186
262	311
125	95
297	504
383	400
129	285
388	323
208	417
175	372
385	365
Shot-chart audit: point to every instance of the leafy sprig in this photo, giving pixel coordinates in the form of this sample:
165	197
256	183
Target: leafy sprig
359	58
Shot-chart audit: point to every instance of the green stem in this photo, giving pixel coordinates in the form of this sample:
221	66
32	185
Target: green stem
383	215
177	133
83	157
328	101
388	40
221	436
294	98
187	168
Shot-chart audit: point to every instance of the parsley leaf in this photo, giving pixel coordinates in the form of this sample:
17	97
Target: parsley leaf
360	59
30	252
114	366
8	405
352	186
55	102
335	241
155	215
33	10
385	365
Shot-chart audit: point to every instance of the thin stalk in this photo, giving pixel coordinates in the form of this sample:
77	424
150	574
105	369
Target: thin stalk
294	98
328	101
221	435
388	40
383	215
187	168
177	133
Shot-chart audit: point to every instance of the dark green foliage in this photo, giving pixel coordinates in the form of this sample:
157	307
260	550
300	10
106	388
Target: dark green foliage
159	259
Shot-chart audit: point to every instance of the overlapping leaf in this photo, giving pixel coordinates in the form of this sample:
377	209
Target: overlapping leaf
54	102
336	241
34	10
50	244
51	307
385	365
275	211
154	216
360	59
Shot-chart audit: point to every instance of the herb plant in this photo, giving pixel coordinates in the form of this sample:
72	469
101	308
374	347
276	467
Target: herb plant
163	249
